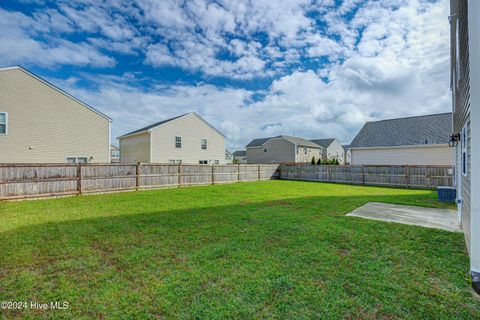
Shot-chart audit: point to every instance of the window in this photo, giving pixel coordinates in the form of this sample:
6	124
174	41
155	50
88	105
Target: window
3	123
264	149
178	161
178	142
306	150
463	141
216	162
203	161
171	161
204	144
77	159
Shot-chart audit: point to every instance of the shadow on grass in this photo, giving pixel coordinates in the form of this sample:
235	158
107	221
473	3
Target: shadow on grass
291	257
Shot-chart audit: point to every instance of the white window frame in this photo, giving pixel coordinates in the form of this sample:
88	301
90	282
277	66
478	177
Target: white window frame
201	144
6	123
202	161
180	142
171	161
76	159
265	149
464	149
216	162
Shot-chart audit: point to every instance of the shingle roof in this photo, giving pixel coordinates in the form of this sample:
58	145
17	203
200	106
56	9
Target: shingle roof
428	129
296	140
240	153
153	125
323	142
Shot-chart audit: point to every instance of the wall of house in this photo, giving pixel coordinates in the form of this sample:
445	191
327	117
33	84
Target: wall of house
336	151
278	151
431	155
135	148
192	129
45	125
305	154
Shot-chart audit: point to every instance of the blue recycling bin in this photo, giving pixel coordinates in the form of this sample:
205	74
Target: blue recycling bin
447	194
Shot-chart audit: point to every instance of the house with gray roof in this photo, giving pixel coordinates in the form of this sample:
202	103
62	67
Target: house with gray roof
240	156
332	149
420	140
282	149
187	138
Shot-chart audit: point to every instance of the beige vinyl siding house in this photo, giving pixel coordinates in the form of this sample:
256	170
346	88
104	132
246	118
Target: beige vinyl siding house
282	149
465	74
39	123
420	140
184	139
332	149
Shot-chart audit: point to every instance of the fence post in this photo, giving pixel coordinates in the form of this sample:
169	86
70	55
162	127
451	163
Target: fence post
179	174
137	176
258	172
79	178
407	176
363	174
238	173
213	174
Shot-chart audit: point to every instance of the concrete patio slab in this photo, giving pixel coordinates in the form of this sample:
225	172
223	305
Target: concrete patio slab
444	219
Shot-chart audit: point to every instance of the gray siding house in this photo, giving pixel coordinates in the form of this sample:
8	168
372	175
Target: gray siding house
332	149
40	123
187	138
465	74
421	140
282	149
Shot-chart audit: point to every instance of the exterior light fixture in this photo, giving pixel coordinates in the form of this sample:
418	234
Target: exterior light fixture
454	139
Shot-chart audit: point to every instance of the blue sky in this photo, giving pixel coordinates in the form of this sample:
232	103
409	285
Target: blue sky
315	69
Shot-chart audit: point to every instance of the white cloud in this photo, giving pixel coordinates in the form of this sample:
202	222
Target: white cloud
388	58
19	45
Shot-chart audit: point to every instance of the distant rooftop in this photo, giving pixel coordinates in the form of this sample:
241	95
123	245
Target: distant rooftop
240	153
427	129
323	142
296	140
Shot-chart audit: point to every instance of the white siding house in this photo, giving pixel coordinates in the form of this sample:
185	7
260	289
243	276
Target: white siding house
421	140
184	139
40	123
332	149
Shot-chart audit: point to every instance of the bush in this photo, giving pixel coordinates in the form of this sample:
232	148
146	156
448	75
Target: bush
313	161
319	161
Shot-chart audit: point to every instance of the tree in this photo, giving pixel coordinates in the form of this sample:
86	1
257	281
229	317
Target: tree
313	162
319	161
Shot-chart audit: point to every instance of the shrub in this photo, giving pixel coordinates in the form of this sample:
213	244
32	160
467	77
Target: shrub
313	161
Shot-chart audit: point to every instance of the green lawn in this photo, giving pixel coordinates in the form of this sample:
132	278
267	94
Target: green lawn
272	249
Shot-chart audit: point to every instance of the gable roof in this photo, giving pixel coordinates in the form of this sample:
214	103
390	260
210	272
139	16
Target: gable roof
295	140
157	124
240	153
420	130
56	88
324	142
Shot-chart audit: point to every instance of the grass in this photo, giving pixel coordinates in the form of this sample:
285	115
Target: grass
273	249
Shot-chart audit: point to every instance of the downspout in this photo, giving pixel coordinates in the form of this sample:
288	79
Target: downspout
474	54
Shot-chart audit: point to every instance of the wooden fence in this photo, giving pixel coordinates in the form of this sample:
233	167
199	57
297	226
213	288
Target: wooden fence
408	176
18	181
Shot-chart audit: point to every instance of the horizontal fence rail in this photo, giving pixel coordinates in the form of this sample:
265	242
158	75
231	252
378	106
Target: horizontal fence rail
408	176
19	181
